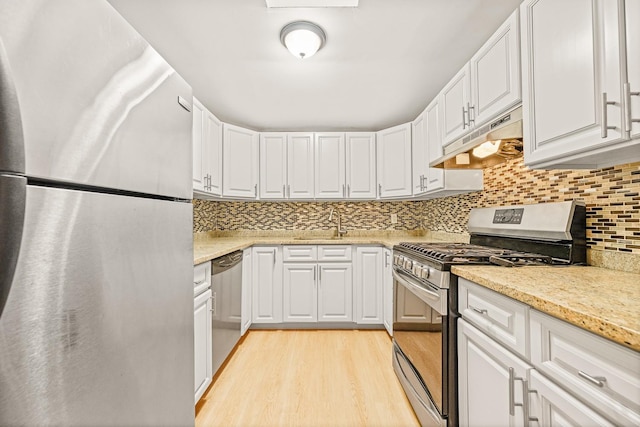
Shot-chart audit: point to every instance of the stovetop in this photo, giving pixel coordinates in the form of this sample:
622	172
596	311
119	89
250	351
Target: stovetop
443	255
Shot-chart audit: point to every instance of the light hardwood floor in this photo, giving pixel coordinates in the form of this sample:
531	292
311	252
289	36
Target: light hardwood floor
308	378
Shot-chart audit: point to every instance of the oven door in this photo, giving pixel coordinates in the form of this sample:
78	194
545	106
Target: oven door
420	346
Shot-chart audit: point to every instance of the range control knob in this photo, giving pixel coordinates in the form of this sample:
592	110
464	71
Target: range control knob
417	270
426	272
408	264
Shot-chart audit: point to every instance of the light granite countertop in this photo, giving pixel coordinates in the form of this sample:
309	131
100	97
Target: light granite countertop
206	248
605	302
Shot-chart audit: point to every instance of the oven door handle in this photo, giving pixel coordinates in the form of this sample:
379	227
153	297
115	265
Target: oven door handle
437	301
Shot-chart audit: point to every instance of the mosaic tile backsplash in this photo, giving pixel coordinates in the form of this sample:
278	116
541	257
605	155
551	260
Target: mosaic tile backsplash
611	195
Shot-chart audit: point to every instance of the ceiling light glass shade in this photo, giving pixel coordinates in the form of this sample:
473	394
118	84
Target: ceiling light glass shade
486	149
302	38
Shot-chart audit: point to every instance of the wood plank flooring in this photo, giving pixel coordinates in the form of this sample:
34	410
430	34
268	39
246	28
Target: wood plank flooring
308	378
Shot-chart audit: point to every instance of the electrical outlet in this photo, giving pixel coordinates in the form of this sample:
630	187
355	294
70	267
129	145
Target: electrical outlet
394	218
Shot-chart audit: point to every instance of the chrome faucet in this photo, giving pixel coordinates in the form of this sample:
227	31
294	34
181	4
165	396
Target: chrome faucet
340	231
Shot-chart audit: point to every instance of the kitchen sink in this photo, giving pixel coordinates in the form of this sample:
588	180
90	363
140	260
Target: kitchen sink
317	238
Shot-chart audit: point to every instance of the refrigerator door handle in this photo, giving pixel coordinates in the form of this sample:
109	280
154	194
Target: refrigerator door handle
11	135
13	193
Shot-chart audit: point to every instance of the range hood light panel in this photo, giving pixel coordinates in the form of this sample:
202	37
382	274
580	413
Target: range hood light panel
463	159
486	149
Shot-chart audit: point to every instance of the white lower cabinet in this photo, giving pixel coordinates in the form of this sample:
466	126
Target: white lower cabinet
491	381
267	284
387	297
202	350
247	281
561	375
369	285
317	291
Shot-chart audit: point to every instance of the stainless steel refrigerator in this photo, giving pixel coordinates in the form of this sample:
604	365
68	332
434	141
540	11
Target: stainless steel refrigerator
96	299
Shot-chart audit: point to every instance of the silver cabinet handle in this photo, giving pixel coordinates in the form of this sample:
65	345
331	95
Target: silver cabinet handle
525	396
274	257
478	310
210	184
284	191
605	127
255	190
386	259
464	120
379	190
213	303
344	191
348	190
314	274
196	284
628	118
598	381
512	405
289	191
319	274
469	108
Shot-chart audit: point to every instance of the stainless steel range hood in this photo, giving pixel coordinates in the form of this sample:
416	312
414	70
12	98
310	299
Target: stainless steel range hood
488	145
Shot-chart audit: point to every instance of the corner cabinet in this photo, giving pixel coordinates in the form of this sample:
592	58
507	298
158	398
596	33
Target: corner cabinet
361	165
240	160
266	267
576	106
369	284
394	161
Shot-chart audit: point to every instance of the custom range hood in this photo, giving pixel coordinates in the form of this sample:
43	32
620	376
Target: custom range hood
486	146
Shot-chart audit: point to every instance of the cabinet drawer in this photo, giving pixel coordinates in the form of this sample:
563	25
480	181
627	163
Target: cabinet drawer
500	317
334	253
300	253
201	277
596	370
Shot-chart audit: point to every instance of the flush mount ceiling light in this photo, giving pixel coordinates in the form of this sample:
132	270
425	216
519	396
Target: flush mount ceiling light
302	38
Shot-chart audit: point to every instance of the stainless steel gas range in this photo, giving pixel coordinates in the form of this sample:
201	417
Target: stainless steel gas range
425	292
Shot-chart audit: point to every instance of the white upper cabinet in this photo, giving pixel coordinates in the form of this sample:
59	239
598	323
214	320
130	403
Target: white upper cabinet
420	154
632	88
394	161
573	73
495	73
273	165
240	159
330	166
212	140
434	177
486	86
455	102
361	165
300	184
200	178
207	151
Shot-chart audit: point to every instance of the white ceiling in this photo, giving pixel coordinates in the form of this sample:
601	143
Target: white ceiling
383	62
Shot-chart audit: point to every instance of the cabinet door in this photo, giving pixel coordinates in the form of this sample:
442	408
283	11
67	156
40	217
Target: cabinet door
202	343
455	102
394	161
247	296
420	153
335	292
369	283
552	406
267	284
632	15
300	293
387	297
200	180
240	162
361	165
330	166
300	166
495	73
434	176
212	141
563	95
491	381
273	165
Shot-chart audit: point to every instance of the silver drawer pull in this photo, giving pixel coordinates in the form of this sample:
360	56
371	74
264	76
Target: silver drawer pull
202	282
478	310
599	381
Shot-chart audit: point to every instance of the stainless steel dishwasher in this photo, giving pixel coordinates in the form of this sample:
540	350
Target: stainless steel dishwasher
226	287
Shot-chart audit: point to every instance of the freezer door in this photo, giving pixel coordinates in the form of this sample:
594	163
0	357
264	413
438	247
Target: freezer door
98	105
98	325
